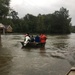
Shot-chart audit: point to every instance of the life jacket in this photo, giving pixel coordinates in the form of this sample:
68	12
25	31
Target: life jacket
43	38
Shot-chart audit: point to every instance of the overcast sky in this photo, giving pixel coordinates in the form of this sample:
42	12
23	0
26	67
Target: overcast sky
35	7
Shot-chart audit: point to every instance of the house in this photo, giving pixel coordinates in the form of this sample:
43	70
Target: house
8	28
2	28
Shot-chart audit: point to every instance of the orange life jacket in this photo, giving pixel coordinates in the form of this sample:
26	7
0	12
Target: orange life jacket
43	38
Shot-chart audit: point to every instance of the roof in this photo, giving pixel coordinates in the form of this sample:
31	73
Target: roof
2	26
8	26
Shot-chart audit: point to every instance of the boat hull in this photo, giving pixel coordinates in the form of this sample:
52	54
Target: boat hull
72	71
31	45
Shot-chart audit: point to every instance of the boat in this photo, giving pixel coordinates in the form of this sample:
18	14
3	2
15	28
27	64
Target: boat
31	45
72	71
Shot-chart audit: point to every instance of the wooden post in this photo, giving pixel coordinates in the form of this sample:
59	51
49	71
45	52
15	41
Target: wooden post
3	31
0	41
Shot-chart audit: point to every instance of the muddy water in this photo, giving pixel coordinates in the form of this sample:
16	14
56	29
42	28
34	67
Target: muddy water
56	58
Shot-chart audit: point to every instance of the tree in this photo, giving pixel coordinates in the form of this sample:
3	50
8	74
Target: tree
47	23
29	22
4	8
61	21
40	24
14	14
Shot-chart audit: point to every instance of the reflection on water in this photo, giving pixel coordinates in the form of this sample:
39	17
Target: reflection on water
56	58
63	37
61	45
4	61
43	52
16	37
61	42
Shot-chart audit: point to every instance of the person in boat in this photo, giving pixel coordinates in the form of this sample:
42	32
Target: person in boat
37	39
43	39
27	39
32	38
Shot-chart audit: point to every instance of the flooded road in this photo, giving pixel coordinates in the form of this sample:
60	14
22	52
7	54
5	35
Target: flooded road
56	59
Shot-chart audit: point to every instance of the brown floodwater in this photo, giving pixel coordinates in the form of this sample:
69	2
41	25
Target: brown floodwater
56	58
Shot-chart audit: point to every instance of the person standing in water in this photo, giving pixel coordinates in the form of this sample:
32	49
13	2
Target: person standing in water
43	39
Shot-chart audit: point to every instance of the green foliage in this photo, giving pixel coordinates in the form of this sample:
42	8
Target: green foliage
57	23
14	14
60	22
4	8
73	29
5	2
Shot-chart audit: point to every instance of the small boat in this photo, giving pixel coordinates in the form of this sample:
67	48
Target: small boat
31	45
72	71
